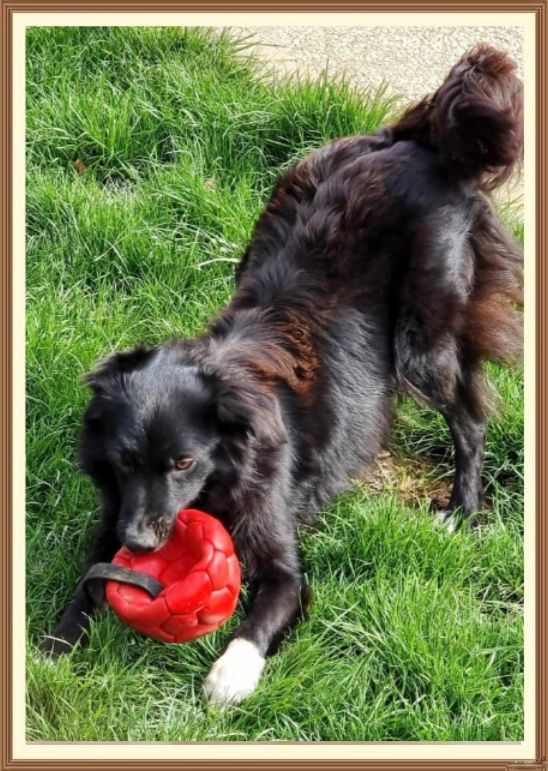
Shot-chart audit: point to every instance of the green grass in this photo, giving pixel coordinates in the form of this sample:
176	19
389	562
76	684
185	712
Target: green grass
150	154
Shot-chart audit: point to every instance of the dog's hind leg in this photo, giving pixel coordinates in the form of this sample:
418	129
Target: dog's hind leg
435	375
467	425
430	362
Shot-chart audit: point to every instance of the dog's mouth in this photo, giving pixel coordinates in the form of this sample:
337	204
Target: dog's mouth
162	528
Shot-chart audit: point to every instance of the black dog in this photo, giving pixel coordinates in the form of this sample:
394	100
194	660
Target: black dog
378	264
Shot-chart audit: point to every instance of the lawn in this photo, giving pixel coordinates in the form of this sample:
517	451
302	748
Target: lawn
150	154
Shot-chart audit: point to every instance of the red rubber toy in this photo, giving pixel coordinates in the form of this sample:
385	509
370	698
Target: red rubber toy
201	576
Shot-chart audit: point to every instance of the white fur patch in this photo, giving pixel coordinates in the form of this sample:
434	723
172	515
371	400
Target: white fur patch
44	660
447	520
234	675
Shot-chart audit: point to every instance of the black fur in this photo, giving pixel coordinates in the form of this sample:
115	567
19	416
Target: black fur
377	263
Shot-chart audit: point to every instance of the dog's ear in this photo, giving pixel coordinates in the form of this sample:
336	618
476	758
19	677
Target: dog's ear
94	414
115	365
103	381
247	410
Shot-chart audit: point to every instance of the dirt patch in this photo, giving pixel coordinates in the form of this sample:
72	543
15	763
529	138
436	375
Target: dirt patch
412	479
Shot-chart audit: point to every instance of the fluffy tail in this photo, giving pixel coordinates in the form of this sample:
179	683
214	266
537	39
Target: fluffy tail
475	118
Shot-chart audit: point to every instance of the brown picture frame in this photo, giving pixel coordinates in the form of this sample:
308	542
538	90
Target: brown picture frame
539	9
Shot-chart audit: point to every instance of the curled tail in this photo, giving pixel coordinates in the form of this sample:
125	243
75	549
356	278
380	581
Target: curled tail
475	118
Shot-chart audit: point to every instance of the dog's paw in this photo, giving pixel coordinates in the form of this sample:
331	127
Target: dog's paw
52	648
448	520
444	516
234	675
454	520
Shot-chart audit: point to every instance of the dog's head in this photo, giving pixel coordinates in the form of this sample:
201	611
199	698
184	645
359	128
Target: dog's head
158	429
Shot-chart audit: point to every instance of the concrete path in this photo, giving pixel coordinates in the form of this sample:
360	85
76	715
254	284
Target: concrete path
412	61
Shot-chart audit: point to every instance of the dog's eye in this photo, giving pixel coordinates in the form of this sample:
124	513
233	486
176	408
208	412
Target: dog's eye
124	461
184	464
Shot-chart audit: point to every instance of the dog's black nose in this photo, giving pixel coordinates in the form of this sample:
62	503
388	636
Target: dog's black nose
138	546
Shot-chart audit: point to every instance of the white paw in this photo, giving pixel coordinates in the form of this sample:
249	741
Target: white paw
43	659
448	520
234	675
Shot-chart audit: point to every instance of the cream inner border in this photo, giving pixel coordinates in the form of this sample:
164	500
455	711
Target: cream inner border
267	750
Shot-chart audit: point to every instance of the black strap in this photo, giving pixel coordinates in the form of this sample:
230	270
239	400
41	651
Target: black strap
101	571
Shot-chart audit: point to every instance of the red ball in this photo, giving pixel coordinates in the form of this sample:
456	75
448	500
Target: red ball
201	577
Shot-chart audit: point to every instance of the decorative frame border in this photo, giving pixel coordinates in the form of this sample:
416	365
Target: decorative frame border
8	8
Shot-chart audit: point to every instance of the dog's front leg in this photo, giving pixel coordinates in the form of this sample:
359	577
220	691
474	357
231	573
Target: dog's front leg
275	608
75	619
